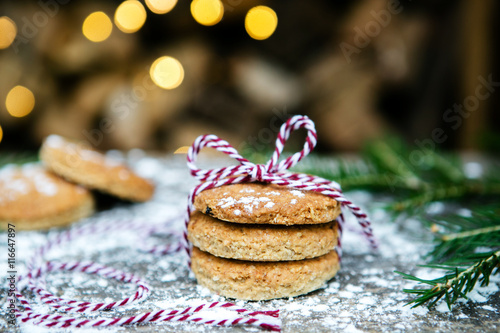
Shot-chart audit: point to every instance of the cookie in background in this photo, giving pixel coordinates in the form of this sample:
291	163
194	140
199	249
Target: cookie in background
33	198
82	165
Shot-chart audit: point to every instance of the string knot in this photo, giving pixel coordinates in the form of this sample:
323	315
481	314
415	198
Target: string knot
258	173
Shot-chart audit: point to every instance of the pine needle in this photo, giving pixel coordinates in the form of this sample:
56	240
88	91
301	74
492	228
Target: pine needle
471	233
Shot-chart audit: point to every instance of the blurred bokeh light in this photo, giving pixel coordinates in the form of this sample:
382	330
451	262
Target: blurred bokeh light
97	27
161	6
167	72
119	75
8	31
207	12
20	101
130	16
261	22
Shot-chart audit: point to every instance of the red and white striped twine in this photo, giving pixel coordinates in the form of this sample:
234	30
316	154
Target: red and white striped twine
64	311
275	172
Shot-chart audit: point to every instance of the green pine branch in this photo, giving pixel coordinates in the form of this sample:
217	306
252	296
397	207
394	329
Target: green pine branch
464	235
457	283
17	158
457	251
390	167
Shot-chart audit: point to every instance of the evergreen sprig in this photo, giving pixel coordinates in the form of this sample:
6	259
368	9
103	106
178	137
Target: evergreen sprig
458	251
17	158
417	178
464	235
457	282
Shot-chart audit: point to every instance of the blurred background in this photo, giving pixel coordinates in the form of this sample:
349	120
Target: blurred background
156	74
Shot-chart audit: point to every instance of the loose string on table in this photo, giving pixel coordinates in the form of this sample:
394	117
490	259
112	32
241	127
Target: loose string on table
64	310
273	172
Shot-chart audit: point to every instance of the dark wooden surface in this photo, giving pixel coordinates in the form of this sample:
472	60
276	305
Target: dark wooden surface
365	296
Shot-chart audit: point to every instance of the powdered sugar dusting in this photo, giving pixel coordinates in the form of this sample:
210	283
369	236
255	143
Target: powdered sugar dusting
297	193
54	141
249	202
44	186
226	202
248	208
91	155
17	181
269	205
41	182
111	159
365	296
12	187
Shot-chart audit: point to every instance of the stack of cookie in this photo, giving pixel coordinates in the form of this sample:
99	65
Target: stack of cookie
261	241
57	192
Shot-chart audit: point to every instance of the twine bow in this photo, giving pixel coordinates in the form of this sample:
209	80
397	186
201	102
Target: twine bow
273	172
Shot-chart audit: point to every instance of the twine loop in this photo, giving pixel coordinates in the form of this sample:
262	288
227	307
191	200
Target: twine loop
253	172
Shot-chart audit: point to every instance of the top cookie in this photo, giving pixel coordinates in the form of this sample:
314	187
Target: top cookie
33	198
92	169
266	204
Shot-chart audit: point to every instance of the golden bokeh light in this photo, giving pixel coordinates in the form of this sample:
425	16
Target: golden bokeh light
130	16
1	134
8	32
161	6
97	27
207	12
261	22
20	101
182	150
167	72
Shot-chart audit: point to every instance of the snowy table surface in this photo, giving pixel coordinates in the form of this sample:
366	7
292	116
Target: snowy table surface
365	296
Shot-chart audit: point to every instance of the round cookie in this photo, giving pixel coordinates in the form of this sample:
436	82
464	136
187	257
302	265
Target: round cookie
33	198
94	170
260	242
252	280
266	204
